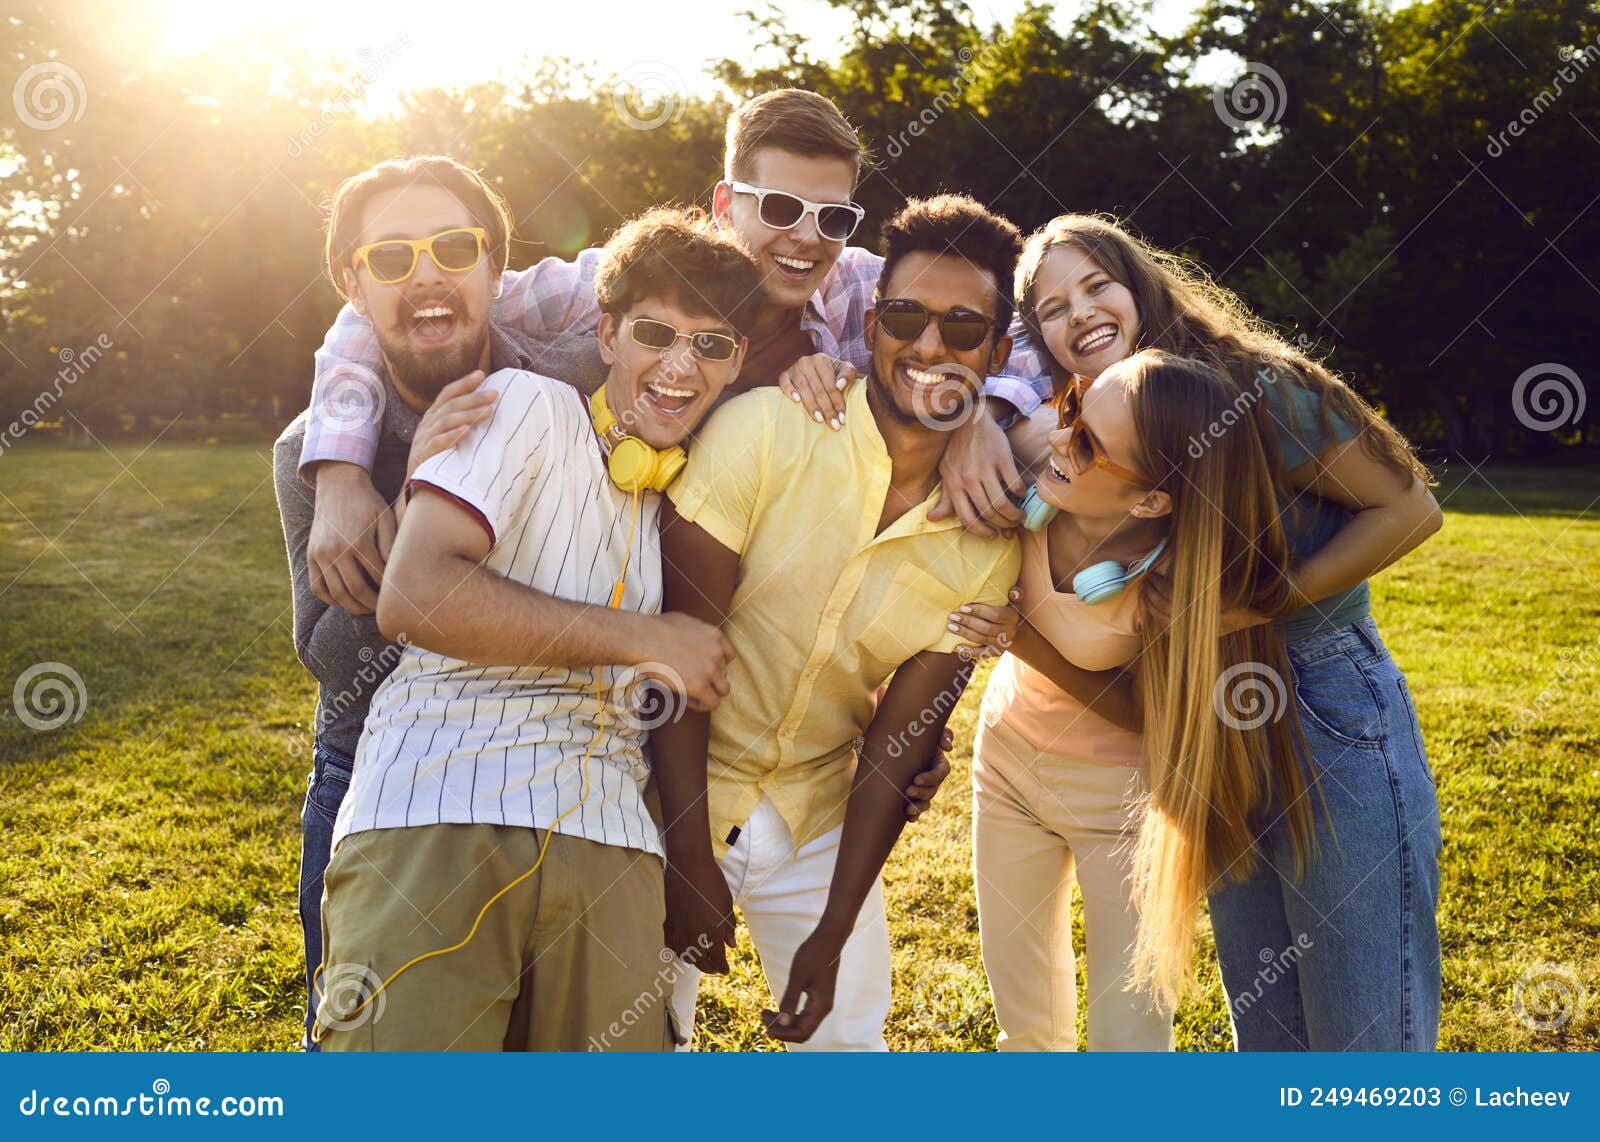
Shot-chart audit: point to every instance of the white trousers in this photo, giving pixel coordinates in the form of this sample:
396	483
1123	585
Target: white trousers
781	894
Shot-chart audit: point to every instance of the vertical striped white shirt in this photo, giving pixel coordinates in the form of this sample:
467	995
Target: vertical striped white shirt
450	742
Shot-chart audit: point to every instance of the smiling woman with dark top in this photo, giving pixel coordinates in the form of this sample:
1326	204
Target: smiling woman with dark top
1347	907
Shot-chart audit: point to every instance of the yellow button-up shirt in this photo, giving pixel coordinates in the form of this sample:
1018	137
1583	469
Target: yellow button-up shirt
824	610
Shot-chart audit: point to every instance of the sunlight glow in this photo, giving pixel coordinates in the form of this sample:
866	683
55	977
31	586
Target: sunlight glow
466	41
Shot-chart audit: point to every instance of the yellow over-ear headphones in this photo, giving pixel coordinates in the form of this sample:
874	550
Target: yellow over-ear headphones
634	465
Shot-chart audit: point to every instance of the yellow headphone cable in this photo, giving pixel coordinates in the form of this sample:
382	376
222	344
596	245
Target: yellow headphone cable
317	1033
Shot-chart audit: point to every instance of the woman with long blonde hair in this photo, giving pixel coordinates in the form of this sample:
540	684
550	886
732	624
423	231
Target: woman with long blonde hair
1153	542
1323	891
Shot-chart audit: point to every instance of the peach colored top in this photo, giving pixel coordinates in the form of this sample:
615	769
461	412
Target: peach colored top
1098	636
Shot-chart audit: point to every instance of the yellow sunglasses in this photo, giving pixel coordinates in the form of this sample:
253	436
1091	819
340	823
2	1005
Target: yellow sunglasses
395	259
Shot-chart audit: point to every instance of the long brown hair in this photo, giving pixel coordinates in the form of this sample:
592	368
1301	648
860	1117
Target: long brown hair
1219	767
1182	311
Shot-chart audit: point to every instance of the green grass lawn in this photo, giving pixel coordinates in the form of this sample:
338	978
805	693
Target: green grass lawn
148	874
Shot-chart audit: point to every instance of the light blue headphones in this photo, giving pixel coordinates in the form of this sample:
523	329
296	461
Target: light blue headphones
1100	582
1036	514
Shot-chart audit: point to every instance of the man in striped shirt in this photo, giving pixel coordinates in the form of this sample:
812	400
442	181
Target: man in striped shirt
792	164
496	878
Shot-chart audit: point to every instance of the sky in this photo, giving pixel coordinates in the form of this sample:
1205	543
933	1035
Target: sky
409	44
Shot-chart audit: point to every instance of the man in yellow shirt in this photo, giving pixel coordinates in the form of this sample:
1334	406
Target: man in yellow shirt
814	553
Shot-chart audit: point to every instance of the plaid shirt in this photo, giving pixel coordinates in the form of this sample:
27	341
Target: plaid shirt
557	296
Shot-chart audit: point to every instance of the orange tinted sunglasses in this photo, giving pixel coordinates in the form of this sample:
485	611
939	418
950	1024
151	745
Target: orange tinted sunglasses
1083	450
394	260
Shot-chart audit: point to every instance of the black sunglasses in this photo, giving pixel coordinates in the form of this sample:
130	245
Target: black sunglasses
904	320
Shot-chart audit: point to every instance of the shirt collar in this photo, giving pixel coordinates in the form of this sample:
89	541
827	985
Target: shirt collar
817	312
861	428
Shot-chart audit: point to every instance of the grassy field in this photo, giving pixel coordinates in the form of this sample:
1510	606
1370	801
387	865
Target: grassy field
148	874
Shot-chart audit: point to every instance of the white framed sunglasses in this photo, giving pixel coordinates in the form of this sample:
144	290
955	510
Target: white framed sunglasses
780	210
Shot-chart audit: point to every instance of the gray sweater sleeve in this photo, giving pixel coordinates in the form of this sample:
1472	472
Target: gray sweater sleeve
296	508
570	357
347	654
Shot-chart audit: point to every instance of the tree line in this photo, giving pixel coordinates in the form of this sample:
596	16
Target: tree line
1407	191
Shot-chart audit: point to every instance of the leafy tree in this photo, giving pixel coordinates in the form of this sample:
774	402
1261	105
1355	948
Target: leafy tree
1402	187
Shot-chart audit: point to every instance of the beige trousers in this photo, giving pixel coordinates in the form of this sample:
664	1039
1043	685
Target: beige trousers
1041	820
571	959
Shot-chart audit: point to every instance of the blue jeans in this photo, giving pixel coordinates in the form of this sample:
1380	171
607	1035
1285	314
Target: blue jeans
1347	958
330	781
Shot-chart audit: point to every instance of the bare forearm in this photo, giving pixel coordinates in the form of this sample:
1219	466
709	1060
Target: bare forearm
1109	693
873	820
901	741
1373	539
454	606
678	752
680	747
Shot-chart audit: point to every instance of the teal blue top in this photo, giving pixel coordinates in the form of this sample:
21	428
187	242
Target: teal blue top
1309	519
